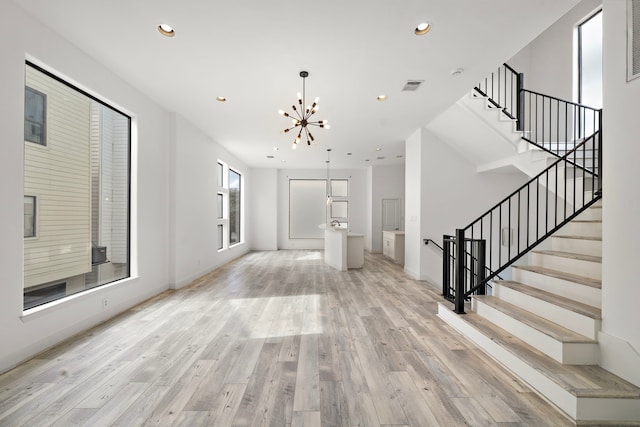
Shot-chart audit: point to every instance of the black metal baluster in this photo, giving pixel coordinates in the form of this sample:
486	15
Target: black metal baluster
509	230
446	257
546	206
459	272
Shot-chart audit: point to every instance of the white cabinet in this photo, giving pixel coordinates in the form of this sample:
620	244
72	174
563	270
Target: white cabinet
393	245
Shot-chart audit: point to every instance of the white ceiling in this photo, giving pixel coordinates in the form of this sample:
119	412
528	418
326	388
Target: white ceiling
251	51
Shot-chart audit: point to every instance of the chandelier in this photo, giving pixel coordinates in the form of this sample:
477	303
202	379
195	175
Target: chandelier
301	116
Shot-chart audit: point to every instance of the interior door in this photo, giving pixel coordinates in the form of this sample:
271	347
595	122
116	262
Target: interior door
390	214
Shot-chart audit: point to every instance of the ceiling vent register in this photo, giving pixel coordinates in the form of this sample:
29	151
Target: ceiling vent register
412	85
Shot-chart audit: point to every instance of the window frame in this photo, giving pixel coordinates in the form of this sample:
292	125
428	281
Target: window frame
43	125
240	233
579	42
34	215
127	183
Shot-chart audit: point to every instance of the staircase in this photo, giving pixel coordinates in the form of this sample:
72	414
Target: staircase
543	323
543	326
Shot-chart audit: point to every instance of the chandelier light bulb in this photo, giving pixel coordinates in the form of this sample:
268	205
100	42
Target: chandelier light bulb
293	146
301	117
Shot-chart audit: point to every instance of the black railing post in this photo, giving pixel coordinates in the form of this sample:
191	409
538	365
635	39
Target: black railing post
458	304
600	153
481	267
520	103
446	265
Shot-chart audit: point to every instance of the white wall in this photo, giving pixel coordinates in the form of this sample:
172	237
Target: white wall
621	198
414	152
387	183
22	337
264	205
196	235
451	194
357	203
548	62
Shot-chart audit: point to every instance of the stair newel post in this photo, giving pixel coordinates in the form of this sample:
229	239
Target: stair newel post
458	304
520	102
481	269
446	266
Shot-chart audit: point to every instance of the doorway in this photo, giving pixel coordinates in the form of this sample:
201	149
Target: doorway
390	214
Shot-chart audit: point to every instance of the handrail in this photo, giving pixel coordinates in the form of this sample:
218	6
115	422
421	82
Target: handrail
427	241
553	124
562	191
564	158
508	67
558	99
502	88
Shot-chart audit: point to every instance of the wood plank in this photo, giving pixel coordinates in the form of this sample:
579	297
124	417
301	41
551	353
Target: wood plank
277	338
307	395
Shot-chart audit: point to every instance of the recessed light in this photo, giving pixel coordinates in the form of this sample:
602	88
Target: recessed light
348	154
367	160
382	97
399	156
457	72
422	28
380	158
378	149
166	30
275	148
270	157
221	99
283	161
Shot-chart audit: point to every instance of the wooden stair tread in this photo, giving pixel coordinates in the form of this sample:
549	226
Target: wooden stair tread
571	255
560	301
586	281
585	381
586	221
538	323
579	237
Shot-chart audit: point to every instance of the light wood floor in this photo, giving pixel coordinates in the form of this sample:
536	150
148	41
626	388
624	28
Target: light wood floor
280	339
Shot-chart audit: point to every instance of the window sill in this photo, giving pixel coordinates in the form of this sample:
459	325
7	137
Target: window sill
63	303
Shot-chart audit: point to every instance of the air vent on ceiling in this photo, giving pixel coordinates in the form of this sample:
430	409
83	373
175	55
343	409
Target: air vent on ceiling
412	85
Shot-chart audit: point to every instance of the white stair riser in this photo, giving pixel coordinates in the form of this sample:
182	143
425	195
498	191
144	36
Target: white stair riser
569	353
577	246
578	267
612	410
571	320
585	229
591	214
575	291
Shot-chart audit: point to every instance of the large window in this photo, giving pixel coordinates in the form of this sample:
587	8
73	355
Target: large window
228	206
234	207
81	179
590	61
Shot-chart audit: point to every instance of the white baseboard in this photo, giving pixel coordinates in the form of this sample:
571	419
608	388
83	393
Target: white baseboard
619	357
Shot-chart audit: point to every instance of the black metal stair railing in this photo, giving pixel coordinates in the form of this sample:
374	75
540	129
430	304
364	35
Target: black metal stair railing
515	225
555	125
502	88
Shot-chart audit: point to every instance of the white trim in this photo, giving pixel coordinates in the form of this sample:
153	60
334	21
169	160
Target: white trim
630	75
